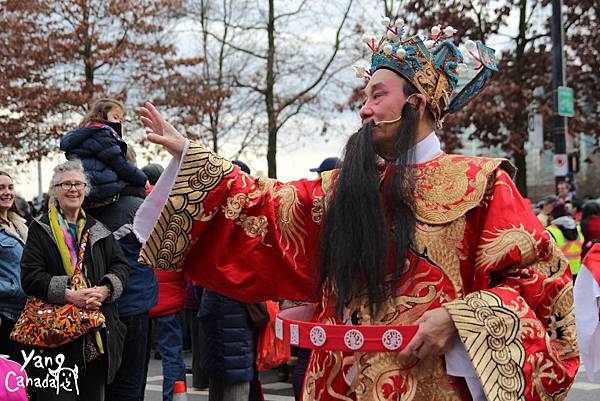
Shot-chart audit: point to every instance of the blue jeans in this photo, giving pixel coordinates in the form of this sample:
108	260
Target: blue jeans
169	335
130	381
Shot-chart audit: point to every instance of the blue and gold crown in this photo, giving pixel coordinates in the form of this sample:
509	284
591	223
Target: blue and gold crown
436	67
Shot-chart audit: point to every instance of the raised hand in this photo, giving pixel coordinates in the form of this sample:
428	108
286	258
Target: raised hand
159	131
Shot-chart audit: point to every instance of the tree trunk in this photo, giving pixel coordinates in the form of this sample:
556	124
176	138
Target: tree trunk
269	98
521	178
272	150
519	154
215	138
87	51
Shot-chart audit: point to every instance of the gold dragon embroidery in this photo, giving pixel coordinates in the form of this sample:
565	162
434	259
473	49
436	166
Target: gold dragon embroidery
320	202
317	209
449	186
497	245
443	245
288	213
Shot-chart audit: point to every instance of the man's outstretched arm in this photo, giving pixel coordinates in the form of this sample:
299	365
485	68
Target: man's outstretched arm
517	323
248	238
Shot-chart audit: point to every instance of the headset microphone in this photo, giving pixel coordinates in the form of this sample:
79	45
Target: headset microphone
379	123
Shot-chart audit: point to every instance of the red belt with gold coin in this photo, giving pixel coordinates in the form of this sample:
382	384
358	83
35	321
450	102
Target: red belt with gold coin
293	326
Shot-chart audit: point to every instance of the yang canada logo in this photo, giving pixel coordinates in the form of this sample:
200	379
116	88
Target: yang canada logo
54	374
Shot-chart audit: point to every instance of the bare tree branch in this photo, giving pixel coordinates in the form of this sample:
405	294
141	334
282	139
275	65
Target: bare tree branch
536	37
292	13
241	49
248	86
316	81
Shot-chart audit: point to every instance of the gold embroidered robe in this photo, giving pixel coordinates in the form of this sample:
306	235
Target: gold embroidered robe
479	251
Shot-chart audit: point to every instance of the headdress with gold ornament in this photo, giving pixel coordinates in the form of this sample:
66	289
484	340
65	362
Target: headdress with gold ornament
434	66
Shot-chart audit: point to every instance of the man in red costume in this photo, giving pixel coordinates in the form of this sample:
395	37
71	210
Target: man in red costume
442	282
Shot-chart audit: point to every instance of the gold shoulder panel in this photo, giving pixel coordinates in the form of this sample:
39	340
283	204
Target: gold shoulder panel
200	172
449	186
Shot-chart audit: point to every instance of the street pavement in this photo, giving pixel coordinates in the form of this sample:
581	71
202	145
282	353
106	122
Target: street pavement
582	390
273	390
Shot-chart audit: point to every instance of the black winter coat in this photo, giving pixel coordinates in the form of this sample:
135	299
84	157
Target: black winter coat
43	276
228	351
141	292
102	152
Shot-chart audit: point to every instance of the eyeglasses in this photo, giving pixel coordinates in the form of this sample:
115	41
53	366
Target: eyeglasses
66	186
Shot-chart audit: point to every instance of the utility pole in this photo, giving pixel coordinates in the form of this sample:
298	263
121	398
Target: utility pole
559	123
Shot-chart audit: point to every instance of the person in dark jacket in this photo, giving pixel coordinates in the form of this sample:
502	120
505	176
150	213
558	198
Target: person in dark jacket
228	352
191	305
99	144
138	297
48	263
140	294
24	209
228	344
153	171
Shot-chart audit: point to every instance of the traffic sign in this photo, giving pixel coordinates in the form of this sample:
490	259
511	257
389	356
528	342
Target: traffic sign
565	102
561	167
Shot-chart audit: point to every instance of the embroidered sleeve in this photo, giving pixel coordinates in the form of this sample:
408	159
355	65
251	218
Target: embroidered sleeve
248	238
517	324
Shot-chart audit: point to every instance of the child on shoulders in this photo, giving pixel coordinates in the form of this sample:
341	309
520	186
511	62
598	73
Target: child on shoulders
98	143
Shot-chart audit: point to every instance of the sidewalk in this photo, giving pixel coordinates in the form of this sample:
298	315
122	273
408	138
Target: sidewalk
582	389
273	390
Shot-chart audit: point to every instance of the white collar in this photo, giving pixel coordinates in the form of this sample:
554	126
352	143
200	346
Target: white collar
427	149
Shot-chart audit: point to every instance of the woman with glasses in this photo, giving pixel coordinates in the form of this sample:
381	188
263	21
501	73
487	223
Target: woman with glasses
13	234
50	264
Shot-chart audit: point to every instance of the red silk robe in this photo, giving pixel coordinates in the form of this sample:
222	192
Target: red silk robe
479	251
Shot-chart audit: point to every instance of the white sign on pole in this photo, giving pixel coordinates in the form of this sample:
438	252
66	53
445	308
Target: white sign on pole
535	127
561	167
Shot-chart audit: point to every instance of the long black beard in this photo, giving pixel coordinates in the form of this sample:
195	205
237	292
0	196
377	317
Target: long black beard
366	217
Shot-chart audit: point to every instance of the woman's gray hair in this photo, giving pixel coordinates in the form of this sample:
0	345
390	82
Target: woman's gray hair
59	170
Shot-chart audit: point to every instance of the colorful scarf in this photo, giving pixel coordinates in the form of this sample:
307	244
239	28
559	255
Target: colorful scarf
68	247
